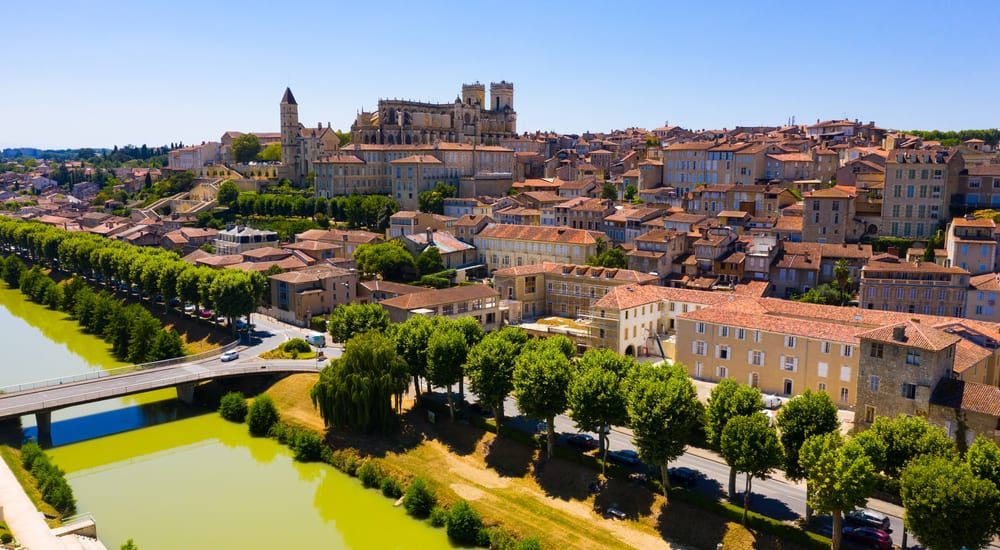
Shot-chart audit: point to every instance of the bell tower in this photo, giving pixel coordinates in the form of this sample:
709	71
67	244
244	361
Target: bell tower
289	135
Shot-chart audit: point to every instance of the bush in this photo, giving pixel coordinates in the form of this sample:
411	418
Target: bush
439	517
30	452
483	538
370	473
390	488
529	544
307	446
464	523
318	324
296	345
419	499
262	415
6	538
233	407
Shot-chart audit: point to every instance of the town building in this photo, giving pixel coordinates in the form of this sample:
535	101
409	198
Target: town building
477	301
918	189
971	244
239	239
891	284
832	218
501	246
297	296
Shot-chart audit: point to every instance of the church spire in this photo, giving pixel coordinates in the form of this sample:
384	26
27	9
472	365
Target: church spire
288	97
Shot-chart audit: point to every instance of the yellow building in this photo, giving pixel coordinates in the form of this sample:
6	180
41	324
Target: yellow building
501	246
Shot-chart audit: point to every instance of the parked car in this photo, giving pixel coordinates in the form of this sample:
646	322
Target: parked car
868	536
868	518
174	302
584	441
206	314
682	475
188	308
230	356
770	401
627	457
240	324
614	512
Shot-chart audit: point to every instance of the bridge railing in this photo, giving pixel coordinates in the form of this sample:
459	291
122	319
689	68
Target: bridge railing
159	383
48	383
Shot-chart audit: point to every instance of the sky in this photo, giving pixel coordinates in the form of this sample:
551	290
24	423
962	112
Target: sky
93	73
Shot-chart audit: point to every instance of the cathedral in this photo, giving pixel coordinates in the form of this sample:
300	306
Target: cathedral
469	120
301	146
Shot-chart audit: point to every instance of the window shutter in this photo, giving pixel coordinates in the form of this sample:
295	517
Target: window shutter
781	362
750	357
694	346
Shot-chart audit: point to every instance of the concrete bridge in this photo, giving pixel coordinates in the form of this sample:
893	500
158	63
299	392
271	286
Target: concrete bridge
42	398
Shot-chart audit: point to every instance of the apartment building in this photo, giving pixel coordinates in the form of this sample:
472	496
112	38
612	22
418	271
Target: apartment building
501	246
832	218
656	251
297	296
239	239
408	222
978	187
891	284
684	165
626	224
971	244
918	189
564	290
981	300
583	213
477	301
347	240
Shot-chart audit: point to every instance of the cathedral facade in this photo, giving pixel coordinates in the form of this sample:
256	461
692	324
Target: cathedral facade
470	119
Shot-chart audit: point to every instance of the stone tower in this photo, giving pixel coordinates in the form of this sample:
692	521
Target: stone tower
501	95
289	136
473	94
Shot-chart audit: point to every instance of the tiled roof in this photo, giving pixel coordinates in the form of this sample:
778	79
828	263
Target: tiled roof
967	396
592	272
430	298
392	288
914	335
897	265
828	193
986	281
790	157
629	296
562	235
311	245
975	222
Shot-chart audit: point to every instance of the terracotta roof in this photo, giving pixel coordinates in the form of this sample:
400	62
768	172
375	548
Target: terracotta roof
889	263
593	272
788	223
986	281
967	396
312	245
562	235
430	298
391	287
985	170
732	214
417	159
828	193
915	335
790	157
266	251
754	289
629	296
975	222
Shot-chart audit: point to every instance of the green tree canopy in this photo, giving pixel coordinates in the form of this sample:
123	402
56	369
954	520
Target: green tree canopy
750	445
596	395
262	415
984	459
839	476
903	439
663	408
612	257
411	337
729	400
389	260
432	201
356	391
446	352
349	320
947	506
429	261
490	367
271	153
245	148
806	415
609	192
228	193
541	379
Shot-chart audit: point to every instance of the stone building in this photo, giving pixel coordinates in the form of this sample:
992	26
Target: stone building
889	283
470	119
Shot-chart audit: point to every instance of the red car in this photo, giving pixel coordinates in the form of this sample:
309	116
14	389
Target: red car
869	537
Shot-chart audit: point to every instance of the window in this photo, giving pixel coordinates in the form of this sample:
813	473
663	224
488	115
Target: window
699	327
741	333
721	372
873	383
821	369
790	363
843	395
909	391
825	347
847	350
869	414
821	386
698	366
790	342
877	350
724	331
756	336
698	347
912	357
845	373
756	357
723	352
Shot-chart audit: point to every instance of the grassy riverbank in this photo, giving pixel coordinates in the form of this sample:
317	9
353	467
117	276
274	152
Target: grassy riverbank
12	456
509	484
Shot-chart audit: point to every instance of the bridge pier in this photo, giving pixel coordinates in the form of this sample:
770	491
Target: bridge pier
43	420
185	393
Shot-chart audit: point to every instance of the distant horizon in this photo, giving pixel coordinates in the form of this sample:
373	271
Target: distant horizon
189	71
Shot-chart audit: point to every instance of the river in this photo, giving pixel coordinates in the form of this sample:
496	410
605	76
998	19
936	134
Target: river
171	476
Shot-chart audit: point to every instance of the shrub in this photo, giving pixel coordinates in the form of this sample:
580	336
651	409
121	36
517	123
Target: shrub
233	407
419	499
370	474
262	415
307	446
318	324
464	523
529	544
390	488
6	538
483	538
439	517
30	452
501	538
296	345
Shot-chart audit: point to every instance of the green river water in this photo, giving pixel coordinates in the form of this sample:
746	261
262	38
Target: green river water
170	476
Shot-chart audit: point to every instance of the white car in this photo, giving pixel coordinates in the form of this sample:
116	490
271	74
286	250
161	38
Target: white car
230	356
770	401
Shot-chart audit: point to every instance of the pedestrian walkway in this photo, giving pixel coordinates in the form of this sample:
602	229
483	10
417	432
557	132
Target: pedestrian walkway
23	519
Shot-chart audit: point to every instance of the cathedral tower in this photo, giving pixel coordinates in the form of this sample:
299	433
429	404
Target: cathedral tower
289	134
502	95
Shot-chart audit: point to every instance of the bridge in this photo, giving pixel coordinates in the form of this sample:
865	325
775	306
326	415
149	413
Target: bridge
42	398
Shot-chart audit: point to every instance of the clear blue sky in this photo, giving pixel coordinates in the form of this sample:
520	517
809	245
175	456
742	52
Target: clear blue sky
92	73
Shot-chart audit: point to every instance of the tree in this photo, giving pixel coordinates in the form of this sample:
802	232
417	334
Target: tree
446	351
419	499
842	274
12	269
903	439
390	260
802	417
750	445
429	261
609	192
130	544
596	398
935	242
233	407
357	390
490	367
245	148
349	320
271	153
729	400
410	338
541	379
839	476
984	459
663	408
432	201
262	415
612	257
235	293
228	193
947	506
464	523
631	191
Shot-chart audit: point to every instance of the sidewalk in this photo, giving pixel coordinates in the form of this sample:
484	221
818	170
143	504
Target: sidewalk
25	522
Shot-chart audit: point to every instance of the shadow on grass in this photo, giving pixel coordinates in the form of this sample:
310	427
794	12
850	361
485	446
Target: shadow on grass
682	521
508	458
632	499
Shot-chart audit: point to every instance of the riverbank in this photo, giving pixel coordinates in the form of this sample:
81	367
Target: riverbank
510	484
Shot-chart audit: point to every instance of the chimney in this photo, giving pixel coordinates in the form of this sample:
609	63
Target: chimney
899	333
